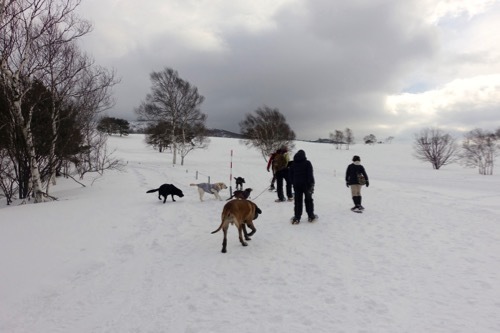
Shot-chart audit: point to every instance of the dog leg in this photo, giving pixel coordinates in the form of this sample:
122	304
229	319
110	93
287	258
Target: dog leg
240	233
252	227
245	233
224	240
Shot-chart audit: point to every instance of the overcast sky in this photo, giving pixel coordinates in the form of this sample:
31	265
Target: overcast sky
383	67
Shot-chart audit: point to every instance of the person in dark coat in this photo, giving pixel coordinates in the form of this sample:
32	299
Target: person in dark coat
352	180
279	162
302	177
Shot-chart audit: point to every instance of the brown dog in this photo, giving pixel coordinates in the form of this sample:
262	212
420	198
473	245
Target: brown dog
241	213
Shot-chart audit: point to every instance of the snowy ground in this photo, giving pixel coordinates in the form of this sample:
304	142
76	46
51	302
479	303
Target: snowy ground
424	257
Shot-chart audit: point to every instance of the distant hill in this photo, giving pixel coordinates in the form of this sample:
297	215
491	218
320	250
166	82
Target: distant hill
140	126
219	133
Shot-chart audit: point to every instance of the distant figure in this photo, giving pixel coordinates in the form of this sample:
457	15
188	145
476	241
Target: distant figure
269	164
356	177
279	161
302	178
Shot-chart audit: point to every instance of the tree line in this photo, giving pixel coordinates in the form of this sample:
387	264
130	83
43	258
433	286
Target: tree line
346	138
51	93
178	125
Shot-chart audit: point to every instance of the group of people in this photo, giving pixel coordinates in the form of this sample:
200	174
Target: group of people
298	173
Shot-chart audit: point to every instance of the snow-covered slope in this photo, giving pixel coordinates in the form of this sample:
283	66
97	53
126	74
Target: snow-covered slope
424	257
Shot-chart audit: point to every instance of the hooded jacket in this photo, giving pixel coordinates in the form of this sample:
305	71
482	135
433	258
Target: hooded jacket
301	170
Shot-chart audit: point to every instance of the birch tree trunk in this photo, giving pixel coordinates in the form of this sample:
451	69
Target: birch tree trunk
28	28
36	182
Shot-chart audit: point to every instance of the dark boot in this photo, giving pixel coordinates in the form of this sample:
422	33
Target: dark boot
355	200
359	203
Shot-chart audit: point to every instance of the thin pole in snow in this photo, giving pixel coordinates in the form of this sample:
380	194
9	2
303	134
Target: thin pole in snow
231	175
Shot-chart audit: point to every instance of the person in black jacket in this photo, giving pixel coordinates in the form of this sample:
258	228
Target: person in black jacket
302	177
355	181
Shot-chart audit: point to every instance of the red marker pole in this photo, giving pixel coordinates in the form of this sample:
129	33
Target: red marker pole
231	175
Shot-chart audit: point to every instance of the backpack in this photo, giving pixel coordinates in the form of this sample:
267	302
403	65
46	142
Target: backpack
361	179
279	162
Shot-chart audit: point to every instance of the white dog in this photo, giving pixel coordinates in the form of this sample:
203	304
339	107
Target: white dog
210	188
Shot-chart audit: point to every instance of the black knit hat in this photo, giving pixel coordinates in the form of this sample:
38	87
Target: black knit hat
356	158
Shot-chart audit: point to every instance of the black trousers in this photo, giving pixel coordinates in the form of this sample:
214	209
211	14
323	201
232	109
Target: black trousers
302	193
280	176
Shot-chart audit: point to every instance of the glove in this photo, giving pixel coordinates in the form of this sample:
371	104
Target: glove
267	170
347	184
367	183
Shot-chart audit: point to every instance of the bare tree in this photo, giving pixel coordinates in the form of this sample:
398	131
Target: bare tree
28	29
349	137
434	146
65	63
389	139
337	138
479	149
267	131
192	131
98	159
193	137
175	101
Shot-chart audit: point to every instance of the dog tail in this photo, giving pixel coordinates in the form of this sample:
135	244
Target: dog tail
152	191
230	198
193	184
225	213
220	227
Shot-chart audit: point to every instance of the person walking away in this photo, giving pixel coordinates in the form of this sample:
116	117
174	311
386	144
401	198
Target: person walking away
355	178
280	170
302	177
269	164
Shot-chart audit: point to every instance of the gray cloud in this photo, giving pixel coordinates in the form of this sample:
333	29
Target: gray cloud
325	65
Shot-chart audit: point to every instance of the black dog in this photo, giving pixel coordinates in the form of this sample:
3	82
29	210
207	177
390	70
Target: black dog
257	212
166	190
239	182
238	194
